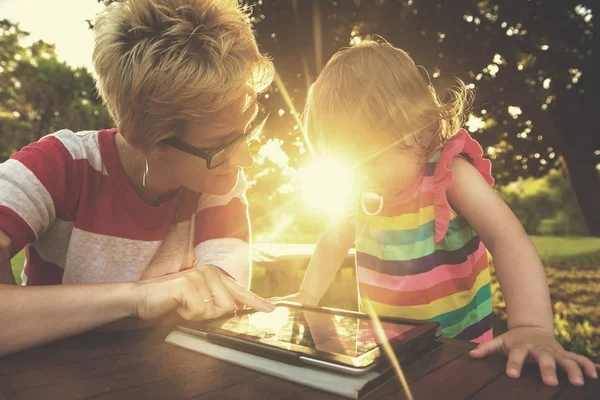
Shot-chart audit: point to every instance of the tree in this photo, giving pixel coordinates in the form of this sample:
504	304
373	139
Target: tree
40	94
545	68
529	61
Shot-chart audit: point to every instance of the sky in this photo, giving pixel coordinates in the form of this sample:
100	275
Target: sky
61	22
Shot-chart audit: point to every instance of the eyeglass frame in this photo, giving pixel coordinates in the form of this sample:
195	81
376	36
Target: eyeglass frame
208	154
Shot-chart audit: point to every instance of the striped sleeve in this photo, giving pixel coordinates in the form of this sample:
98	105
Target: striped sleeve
222	233
37	185
460	144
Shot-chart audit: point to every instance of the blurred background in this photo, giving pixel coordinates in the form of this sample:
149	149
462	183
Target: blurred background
529	62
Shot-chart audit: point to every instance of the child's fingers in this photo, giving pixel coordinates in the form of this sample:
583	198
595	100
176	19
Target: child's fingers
587	365
516	358
547	364
495	345
572	368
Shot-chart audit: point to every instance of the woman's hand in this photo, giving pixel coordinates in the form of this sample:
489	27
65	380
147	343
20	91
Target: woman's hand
523	344
199	293
300	298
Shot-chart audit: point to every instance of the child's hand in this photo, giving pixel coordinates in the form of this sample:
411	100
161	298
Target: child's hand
300	297
539	345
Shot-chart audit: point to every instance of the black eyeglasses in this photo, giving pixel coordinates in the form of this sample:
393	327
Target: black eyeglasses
218	156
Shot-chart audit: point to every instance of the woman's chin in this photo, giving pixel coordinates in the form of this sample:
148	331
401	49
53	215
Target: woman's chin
220	185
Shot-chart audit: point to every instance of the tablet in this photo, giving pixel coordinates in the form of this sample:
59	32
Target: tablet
342	340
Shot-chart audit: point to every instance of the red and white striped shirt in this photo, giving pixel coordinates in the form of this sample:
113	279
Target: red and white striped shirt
67	199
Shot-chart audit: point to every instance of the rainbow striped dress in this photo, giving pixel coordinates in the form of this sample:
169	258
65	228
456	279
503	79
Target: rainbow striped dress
419	259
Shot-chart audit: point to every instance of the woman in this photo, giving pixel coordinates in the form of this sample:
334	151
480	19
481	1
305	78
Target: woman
120	215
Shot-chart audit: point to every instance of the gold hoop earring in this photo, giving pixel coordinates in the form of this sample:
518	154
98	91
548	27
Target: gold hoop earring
145	176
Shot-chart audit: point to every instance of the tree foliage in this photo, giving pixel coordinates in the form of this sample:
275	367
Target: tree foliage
39	94
530	63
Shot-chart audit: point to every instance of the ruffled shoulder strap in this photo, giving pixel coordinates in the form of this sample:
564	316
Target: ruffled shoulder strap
460	145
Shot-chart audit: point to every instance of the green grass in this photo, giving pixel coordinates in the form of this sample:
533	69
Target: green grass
17	265
580	251
568	251
572	267
574	294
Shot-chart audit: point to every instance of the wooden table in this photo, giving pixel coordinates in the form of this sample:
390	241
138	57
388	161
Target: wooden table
138	364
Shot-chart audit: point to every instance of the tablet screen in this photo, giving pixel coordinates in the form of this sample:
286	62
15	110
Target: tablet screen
323	332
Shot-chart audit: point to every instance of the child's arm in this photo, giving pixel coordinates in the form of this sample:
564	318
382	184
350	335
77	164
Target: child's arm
522	279
327	259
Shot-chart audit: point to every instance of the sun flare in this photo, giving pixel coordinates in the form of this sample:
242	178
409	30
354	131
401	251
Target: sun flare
327	185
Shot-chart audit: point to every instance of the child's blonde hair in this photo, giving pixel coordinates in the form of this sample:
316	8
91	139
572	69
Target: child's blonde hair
374	88
161	63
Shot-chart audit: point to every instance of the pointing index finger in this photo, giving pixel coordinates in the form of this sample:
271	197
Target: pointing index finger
247	297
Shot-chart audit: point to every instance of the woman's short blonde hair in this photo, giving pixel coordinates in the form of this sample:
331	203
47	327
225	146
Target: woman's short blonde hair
374	89
161	63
